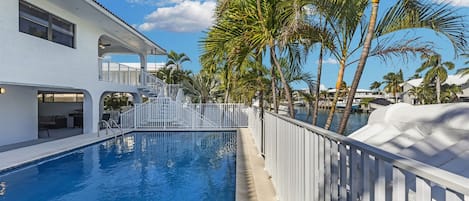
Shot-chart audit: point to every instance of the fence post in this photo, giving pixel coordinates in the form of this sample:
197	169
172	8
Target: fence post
135	116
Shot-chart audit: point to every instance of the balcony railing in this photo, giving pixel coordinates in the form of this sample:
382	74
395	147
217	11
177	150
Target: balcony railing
118	73
310	163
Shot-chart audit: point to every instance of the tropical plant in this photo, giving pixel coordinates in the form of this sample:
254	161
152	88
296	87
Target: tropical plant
393	83
172	75
201	88
250	28
465	70
423	94
175	60
407	14
375	85
449	93
115	101
437	71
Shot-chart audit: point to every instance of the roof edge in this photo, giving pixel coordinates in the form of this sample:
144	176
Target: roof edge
110	14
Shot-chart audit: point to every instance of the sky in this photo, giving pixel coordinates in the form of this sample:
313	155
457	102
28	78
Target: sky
179	25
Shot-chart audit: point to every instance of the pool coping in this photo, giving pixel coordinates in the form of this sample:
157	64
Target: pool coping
252	181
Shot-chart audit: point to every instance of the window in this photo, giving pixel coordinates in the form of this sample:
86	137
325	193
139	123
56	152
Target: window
39	23
51	97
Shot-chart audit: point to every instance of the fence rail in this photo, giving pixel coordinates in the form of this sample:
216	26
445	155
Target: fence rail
165	113
310	163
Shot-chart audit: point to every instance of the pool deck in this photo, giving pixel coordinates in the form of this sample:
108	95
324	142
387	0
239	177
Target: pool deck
15	157
252	181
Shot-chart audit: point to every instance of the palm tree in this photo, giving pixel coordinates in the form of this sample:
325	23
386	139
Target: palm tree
449	93
437	71
175	60
465	70
375	85
393	83
419	93
407	14
202	88
251	28
172	75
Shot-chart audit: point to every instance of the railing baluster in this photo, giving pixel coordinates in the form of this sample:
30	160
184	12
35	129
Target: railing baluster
367	177
327	169
398	184
380	180
423	189
334	171
355	174
343	172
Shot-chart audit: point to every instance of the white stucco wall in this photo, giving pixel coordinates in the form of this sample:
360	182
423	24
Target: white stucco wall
18	114
27	60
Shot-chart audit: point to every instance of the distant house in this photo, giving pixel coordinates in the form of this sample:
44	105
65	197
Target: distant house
452	79
360	94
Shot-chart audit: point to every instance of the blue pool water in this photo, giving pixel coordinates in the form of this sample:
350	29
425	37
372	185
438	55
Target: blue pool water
144	166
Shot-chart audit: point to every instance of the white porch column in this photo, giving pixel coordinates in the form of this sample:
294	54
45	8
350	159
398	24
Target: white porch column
91	111
143	64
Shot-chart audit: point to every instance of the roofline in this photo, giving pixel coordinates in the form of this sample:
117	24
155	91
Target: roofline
116	18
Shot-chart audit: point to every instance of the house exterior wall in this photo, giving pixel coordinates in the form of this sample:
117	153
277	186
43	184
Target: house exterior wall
29	59
26	60
406	97
18	114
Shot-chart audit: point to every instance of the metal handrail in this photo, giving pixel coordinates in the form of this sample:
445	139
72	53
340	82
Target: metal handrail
113	122
108	125
442	177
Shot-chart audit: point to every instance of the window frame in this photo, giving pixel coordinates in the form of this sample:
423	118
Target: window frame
51	27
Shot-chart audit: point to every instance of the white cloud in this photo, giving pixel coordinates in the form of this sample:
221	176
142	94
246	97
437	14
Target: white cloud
464	3
184	16
328	61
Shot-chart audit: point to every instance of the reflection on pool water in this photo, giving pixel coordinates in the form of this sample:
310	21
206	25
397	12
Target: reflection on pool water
142	166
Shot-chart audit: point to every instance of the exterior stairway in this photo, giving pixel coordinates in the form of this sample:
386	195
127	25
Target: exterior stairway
154	87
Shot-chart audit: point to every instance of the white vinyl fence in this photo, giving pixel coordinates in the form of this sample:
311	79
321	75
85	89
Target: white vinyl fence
165	113
310	163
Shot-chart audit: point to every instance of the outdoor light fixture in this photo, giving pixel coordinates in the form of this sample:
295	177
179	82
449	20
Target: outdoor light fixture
2	90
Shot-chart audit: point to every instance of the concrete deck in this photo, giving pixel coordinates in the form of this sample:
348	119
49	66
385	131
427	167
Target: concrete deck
252	181
19	156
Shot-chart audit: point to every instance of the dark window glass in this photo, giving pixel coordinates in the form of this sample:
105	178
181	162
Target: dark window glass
37	22
62	32
32	28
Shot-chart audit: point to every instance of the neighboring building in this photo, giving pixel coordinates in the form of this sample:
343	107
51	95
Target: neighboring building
360	94
51	48
452	79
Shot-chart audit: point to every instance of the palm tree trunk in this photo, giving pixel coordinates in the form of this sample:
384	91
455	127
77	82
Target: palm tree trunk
274	88
360	67
438	89
340	78
284	82
227	94
318	83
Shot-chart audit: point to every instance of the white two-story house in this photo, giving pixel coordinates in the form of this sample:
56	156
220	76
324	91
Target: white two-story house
52	49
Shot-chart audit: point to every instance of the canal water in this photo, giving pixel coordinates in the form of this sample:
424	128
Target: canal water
355	122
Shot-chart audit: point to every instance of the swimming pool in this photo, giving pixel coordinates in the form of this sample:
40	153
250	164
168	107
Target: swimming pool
142	166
